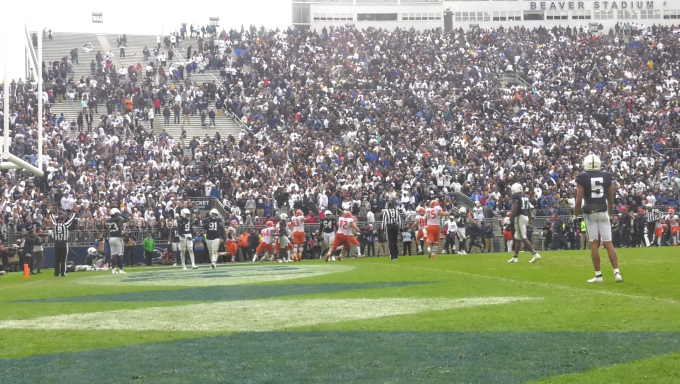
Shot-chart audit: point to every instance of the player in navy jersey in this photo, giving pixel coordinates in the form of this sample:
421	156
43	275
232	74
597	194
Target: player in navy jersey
283	239
115	226
186	237
596	192
328	225
214	233
521	217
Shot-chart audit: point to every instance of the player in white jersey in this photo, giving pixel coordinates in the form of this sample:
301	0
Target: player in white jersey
672	222
266	246
231	245
434	215
420	223
298	223
342	238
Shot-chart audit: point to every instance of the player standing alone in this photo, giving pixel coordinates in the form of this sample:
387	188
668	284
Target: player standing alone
186	237
521	217
434	215
596	191
214	232
115	226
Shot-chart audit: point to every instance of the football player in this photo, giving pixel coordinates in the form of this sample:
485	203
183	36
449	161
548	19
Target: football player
462	222
434	215
672	222
420	223
266	246
521	217
186	237
214	233
283	244
329	226
115	227
298	222
231	244
596	191
353	239
342	237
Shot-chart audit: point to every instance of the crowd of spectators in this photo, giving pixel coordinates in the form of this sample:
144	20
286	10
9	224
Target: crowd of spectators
351	119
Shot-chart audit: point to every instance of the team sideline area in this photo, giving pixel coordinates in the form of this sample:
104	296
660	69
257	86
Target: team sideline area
454	319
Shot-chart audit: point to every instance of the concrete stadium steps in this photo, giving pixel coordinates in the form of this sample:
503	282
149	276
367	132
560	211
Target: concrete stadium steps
133	55
60	46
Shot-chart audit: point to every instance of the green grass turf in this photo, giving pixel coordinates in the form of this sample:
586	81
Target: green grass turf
318	357
608	314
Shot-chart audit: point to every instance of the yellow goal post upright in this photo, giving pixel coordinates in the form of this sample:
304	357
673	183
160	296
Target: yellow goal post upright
11	161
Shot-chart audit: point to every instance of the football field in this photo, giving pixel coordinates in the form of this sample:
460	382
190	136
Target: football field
453	319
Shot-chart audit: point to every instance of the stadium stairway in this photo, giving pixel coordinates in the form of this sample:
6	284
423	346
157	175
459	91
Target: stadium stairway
63	43
60	46
225	125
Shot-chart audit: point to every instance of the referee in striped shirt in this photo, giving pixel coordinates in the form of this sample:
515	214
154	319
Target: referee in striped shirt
391	222
60	235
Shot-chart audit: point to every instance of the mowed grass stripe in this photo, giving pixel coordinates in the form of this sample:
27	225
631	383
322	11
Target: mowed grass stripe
543	284
355	357
251	315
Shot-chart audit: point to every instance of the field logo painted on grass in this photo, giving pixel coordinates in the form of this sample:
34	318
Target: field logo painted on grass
223	275
251	315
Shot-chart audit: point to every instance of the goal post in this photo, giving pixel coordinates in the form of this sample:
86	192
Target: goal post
10	161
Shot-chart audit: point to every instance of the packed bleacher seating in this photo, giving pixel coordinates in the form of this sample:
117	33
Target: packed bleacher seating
347	119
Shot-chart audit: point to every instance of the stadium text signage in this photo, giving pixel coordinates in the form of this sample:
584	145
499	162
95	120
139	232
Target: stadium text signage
596	5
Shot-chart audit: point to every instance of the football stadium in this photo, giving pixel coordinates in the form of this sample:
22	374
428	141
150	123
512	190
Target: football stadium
375	191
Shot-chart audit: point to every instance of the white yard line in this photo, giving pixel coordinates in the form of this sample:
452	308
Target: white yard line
547	285
251	315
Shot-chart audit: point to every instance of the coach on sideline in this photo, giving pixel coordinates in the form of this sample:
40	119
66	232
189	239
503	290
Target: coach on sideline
391	221
60	235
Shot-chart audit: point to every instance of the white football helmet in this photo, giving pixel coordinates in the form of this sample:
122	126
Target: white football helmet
462	210
115	212
328	213
91	251
186	213
592	163
214	214
284	216
516	188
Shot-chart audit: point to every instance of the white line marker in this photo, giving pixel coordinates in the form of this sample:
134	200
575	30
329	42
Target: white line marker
546	285
251	315
223	275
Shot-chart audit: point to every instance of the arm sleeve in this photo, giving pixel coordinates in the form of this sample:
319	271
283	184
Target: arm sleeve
70	220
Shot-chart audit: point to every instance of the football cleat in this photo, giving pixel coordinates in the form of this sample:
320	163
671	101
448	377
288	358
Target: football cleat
174	265
194	267
618	277
536	257
596	279
327	257
513	260
113	271
460	253
122	272
184	268
212	265
233	262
